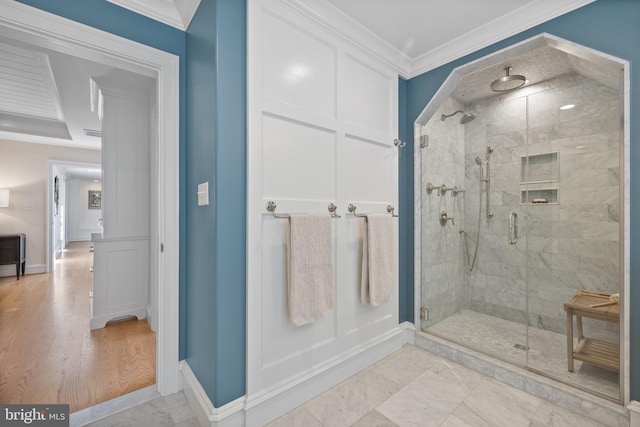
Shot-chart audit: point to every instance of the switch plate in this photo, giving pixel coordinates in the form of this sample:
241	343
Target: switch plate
28	206
203	194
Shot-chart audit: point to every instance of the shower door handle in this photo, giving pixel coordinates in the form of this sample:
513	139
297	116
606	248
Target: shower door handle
513	228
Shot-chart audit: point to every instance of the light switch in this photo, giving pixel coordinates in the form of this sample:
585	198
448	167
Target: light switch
203	194
28	206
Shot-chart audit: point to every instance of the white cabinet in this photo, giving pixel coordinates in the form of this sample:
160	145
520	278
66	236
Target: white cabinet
121	256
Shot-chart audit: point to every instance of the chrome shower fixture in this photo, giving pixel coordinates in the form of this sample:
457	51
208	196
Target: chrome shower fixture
466	117
509	82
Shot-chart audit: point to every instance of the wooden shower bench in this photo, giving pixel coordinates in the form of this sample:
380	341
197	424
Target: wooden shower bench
597	352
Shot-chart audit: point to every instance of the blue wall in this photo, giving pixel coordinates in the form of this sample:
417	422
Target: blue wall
216	234
212	148
610	26
405	186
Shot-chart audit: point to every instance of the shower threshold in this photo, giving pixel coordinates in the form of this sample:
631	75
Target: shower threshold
546	377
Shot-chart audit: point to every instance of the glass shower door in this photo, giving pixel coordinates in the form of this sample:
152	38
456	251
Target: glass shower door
571	191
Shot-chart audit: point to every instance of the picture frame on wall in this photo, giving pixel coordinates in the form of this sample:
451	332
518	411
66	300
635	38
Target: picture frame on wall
95	199
56	195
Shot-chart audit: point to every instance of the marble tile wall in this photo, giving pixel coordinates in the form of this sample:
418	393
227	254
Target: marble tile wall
443	279
573	244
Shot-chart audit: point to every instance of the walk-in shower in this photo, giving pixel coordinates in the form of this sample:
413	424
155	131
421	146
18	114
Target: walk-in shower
521	211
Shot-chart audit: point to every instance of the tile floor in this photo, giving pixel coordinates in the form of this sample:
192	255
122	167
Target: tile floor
548	350
411	387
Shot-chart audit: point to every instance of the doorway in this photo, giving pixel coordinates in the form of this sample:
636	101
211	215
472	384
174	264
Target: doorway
36	27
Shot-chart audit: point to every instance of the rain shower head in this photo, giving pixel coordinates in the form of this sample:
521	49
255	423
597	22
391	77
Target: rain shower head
466	117
508	82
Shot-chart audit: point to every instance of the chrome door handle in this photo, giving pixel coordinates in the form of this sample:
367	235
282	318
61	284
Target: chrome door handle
513	228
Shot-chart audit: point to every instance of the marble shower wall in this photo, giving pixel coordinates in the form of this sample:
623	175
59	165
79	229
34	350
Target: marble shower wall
573	241
443	279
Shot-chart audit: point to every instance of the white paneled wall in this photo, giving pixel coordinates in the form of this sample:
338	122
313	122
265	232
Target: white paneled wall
322	118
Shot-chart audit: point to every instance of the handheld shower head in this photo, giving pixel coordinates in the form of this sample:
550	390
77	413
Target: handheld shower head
478	161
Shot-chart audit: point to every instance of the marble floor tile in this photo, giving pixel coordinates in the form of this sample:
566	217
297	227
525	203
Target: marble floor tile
148	414
426	401
298	417
494	404
374	419
453	421
347	402
547	350
550	415
407	364
436	392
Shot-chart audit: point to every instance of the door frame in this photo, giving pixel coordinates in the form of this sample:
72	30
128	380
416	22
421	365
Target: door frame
44	29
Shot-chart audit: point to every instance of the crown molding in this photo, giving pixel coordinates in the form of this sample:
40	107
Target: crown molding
176	13
521	19
337	22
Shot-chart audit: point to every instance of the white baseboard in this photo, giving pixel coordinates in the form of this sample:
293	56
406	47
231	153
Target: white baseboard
110	407
101	321
634	411
264	408
410	331
229	415
10	270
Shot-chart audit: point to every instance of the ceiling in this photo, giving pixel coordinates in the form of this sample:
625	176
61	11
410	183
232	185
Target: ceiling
44	94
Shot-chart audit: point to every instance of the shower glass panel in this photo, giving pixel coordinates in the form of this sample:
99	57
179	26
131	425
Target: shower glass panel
571	190
521	221
473	277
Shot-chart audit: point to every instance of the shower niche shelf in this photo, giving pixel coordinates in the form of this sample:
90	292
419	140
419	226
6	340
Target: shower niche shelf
539	179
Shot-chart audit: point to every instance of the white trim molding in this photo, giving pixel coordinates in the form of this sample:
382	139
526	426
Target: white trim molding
342	25
518	20
113	406
229	415
176	13
40	28
264	407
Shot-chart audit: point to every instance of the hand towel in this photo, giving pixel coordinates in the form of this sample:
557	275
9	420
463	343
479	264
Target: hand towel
376	286
310	287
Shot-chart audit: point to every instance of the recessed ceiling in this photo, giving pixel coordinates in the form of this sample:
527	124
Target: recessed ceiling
45	95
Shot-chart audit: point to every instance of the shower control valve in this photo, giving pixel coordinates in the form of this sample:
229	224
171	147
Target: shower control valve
444	218
431	187
444	190
456	190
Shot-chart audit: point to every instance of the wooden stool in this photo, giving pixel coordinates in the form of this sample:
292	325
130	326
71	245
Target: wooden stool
597	352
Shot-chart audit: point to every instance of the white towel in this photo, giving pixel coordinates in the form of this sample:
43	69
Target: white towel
377	260
310	288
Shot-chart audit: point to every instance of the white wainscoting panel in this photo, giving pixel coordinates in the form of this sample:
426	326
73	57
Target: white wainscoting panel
367	93
299	160
300	66
322	118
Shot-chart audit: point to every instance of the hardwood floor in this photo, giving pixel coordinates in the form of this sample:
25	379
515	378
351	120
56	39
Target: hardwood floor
48	354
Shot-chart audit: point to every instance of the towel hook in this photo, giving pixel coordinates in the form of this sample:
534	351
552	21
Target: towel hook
352	208
398	143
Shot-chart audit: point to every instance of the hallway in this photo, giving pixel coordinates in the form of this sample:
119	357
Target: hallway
47	352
